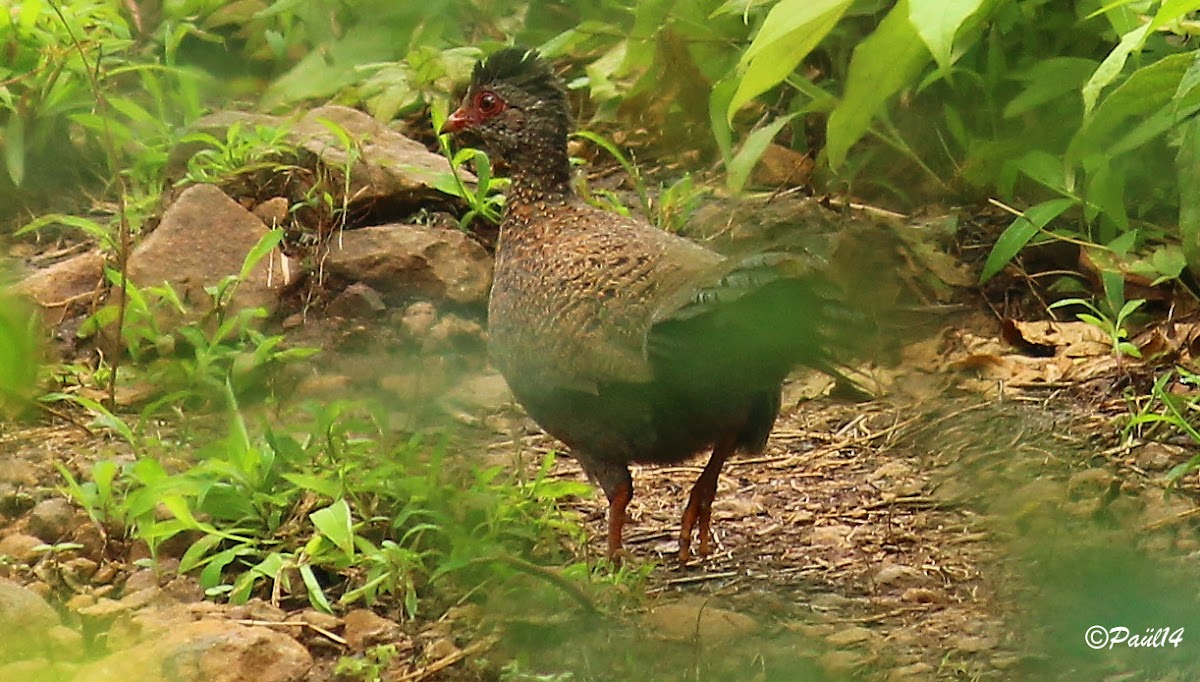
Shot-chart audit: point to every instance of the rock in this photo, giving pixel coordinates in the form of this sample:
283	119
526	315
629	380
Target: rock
13	500
1090	483
317	619
974	645
206	651
830	536
365	628
142	579
914	671
922	595
65	642
273	212
386	164
51	519
25	618
895	574
20	547
409	261
841	662
442	647
1157	456
73	278
357	300
18	472
851	635
687	619
204	236
418	319
480	392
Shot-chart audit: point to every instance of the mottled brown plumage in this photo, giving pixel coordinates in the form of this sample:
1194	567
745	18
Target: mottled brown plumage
628	343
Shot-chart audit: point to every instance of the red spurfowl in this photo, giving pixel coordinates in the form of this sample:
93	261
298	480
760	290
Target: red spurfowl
627	343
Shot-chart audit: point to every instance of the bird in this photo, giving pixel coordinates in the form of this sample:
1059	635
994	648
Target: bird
626	342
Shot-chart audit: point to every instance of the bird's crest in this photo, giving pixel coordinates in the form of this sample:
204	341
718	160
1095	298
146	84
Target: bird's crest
522	67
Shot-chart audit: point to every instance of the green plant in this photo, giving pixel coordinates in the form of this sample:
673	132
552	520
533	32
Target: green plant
1175	410
368	666
486	201
244	150
1112	315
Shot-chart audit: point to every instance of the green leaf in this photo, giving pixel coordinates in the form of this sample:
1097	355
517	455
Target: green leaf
1112	65
335	523
1018	234
791	30
1146	91
316	595
937	21
1048	80
752	150
882	64
1187	164
14	148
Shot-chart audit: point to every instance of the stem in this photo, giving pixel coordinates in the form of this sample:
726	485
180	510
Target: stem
122	213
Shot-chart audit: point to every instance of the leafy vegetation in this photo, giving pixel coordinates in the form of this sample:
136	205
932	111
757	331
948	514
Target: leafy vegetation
1081	115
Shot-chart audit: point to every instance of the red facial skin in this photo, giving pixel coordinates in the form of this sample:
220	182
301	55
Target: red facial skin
484	105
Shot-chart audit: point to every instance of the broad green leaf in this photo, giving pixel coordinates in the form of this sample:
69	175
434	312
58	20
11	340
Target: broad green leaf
1112	65
1047	80
1018	234
937	21
791	30
316	595
1172	10
718	103
14	148
752	150
335	523
1146	91
882	64
1187	163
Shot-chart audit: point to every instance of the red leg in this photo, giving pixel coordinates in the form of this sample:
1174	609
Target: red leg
617	502
699	506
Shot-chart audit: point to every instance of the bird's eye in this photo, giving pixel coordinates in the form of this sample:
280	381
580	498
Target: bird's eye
489	103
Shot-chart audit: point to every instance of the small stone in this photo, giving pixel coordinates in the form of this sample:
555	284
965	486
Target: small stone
851	635
21	547
830	536
691	618
418	319
365	628
66	642
841	662
80	568
206	650
325	621
892	574
1154	457
143	578
80	601
922	595
1090	483
273	212
357	301
13	500
440	648
51	519
914	671
975	644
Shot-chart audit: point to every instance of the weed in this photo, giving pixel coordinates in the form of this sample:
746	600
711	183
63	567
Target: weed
369	666
1112	316
486	201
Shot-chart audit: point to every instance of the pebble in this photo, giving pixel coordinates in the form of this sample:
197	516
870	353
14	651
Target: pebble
51	519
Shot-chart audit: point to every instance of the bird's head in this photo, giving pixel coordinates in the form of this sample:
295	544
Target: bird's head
516	106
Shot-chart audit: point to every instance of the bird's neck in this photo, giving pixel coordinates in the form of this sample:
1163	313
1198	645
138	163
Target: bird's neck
540	174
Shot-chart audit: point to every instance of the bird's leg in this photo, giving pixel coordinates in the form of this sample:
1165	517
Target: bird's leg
699	506
617	484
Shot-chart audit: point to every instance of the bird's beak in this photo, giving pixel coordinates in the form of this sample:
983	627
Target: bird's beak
459	120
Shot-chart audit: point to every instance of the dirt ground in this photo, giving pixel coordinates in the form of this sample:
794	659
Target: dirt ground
975	535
